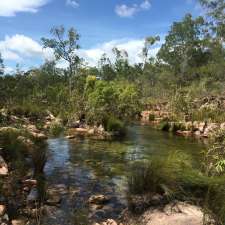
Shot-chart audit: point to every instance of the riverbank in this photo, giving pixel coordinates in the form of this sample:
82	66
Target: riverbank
202	119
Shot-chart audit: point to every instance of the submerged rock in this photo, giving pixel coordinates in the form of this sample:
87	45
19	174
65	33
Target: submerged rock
98	199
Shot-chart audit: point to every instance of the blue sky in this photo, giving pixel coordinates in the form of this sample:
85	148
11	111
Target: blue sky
102	25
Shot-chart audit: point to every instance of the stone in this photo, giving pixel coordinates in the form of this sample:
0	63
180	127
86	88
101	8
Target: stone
3	167
30	182
70	136
2	210
179	214
202	127
39	136
91	131
33	195
19	222
222	126
98	199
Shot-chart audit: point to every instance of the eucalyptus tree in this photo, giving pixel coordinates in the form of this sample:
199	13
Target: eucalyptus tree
65	45
216	10
149	42
186	45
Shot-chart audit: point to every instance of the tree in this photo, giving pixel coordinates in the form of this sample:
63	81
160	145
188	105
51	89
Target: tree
149	41
216	10
2	67
185	45
65	48
122	67
106	68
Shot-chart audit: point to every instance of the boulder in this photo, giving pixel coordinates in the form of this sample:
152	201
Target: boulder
179	214
98	199
3	167
175	213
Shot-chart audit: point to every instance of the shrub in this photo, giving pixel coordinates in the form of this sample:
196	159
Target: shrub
115	125
164	126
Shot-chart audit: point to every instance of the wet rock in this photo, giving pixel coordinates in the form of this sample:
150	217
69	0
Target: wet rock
33	195
98	199
3	167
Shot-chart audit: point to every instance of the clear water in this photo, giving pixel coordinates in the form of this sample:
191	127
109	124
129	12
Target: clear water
101	167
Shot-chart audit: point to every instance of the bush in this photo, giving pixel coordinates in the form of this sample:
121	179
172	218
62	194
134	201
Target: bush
164	126
115	125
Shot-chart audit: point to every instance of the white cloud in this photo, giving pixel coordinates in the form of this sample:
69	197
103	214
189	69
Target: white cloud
73	3
25	50
132	46
126	11
145	5
11	7
129	11
19	47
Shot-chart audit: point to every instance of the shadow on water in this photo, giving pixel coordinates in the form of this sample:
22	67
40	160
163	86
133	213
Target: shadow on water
90	167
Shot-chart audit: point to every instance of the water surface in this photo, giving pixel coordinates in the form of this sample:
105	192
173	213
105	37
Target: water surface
87	167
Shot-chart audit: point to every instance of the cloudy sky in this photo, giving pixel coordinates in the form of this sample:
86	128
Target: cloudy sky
102	24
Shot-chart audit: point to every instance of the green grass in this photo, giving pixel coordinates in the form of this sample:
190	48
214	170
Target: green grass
175	178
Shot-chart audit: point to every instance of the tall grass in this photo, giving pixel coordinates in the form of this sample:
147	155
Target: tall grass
175	178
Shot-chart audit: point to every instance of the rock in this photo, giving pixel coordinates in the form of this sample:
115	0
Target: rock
201	127
2	210
81	130
98	199
32	128
197	133
70	136
184	133
3	167
30	182
33	195
179	214
54	198
222	126
19	222
39	136
91	131
110	222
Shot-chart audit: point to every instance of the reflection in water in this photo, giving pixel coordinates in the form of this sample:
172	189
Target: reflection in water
101	167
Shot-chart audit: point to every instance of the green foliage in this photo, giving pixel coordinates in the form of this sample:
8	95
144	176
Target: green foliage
119	99
174	177
115	125
56	128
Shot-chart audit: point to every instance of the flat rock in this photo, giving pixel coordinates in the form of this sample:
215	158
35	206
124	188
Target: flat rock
179	214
